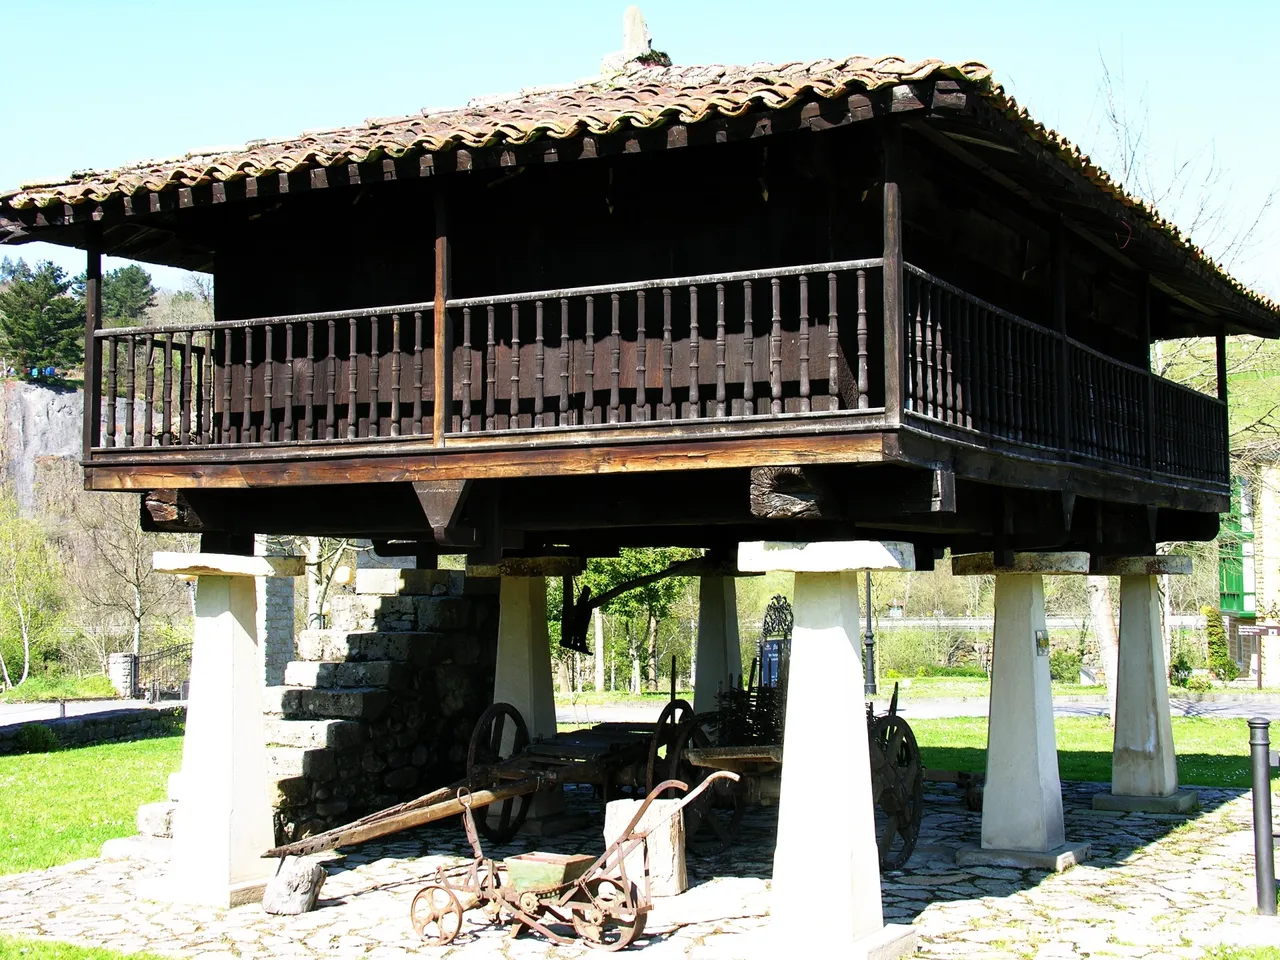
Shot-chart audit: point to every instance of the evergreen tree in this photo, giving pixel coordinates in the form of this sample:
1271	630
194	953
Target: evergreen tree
1220	663
127	293
41	322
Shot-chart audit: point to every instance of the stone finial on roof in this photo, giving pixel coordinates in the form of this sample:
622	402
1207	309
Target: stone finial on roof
637	47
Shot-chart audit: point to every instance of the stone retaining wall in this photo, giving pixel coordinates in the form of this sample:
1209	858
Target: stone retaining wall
109	727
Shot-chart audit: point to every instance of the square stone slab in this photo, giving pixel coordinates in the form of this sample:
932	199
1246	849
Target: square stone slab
1054	861
1183	801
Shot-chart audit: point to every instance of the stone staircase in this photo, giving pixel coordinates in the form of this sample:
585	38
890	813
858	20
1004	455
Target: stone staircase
379	707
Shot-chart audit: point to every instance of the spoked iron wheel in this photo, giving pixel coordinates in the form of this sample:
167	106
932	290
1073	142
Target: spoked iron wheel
665	733
711	820
607	921
500	734
436	915
897	784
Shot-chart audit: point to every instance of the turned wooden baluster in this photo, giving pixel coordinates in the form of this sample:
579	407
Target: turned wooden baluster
864	371
615	355
642	397
184	405
268	381
148	396
566	417
940	350
204	388
833	345
375	398
513	421
286	422
917	383
130	390
395	375
748	352
109	434
491	376
590	413
419	422
331	385
668	357
228	434
775	350
309	387
468	363
721	350
353	371
805	399
930	397
539	366
166	397
695	405
963	401
246	392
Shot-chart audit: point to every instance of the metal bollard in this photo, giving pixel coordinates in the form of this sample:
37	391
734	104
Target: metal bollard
1264	866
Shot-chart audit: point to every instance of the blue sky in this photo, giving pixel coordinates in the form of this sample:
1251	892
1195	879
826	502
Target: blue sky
98	83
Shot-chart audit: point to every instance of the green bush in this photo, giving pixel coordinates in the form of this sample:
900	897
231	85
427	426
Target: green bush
1179	670
908	650
1199	685
1064	666
1220	663
35	738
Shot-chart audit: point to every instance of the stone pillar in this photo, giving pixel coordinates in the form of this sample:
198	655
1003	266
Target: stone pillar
275	616
719	656
825	694
122	669
1144	771
223	824
1022	800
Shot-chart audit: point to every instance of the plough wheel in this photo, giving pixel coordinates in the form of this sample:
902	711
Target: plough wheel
665	733
897	785
436	915
499	735
711	820
607	921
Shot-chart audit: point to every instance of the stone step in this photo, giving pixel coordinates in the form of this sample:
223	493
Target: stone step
313	734
391	582
340	646
362	613
305	703
288	762
329	673
156	819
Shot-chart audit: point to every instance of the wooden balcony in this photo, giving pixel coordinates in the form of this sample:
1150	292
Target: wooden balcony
752	368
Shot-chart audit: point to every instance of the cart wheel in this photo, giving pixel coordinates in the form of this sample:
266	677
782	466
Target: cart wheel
500	734
436	914
897	784
711	821
608	921
665	732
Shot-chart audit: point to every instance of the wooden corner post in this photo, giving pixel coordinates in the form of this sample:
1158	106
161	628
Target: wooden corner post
893	300
443	347
1220	342
92	323
1061	260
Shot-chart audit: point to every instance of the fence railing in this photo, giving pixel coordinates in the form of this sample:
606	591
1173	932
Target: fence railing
163	673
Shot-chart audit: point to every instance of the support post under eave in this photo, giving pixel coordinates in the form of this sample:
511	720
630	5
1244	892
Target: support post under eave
1220	342
92	323
893	335
443	347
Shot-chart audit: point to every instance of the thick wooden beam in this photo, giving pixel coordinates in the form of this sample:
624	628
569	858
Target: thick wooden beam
92	323
894	352
443	340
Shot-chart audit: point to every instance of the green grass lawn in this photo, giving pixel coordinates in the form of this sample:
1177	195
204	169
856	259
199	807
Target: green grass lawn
61	806
22	948
39	689
1212	752
1243	953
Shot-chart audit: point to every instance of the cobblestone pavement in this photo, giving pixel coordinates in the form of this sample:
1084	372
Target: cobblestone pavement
1157	887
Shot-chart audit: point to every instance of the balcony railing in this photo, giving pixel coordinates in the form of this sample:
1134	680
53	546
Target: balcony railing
752	345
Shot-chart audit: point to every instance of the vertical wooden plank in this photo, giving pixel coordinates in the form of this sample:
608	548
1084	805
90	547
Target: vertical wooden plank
468	370
589	401
268	384
419	423
805	388
668	357
246	390
893	305
443	354
395	375
109	438
864	370
833	345
309	387
184	409
204	388
539	366
92	324
375	395
228	434
721	348
286	422
775	349
642	379
566	417
148	394
695	403
917	393
964	342
491	375
353	371
513	419
615	356
930	372
166	397
748	352
130	390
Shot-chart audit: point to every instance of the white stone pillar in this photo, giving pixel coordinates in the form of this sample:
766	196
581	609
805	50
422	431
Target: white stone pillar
825	694
719	656
1022	800
1144	771
223	824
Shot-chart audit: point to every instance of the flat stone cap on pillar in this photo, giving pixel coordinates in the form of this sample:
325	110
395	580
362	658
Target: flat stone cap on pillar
227	565
528	567
835	556
1052	564
1166	565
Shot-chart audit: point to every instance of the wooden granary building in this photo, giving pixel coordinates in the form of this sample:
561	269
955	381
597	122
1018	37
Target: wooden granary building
812	317
590	316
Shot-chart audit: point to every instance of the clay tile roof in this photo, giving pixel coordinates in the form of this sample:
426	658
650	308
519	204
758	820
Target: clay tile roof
644	96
